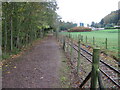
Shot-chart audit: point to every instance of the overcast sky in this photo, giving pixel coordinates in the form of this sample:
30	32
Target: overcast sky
85	11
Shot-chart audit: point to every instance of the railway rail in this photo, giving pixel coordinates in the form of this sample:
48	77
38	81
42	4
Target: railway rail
107	70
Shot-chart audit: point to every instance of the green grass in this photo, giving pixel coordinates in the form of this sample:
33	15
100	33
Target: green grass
100	37
64	73
5	56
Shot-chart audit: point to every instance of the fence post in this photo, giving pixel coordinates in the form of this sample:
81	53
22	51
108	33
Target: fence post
56	34
69	34
71	52
82	38
76	38
106	43
61	39
67	43
93	40
86	39
95	68
79	37
58	38
78	63
64	43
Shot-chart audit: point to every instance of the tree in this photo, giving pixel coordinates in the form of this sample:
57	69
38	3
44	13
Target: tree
25	22
66	25
93	24
111	18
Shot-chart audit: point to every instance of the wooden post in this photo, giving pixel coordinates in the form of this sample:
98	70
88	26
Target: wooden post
86	79
64	43
67	43
95	68
56	34
86	39
78	63
82	38
93	41
71	52
69	34
0	51
106	43
11	35
60	38
63	39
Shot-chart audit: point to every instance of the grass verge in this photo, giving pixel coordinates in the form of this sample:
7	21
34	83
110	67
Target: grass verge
64	74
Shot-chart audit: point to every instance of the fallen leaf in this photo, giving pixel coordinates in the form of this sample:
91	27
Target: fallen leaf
26	77
35	68
80	73
6	65
41	78
14	66
8	72
77	82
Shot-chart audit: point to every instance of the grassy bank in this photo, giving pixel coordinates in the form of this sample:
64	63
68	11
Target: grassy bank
99	39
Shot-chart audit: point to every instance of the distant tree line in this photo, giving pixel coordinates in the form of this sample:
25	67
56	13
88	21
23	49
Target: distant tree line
66	25
24	22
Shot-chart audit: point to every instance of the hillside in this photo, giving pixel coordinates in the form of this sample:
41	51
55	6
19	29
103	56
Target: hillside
111	19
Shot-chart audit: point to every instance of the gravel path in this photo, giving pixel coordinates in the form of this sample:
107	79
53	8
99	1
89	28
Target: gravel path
37	68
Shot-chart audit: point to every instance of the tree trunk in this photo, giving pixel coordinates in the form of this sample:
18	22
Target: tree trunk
11	35
5	35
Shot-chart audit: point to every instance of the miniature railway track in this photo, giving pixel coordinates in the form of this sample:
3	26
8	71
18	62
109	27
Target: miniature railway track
110	72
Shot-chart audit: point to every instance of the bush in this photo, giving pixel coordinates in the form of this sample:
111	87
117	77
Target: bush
112	28
80	29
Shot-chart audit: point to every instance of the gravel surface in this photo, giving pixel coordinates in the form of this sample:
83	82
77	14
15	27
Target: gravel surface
36	68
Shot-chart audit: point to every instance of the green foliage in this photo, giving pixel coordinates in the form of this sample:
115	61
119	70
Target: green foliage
110	19
66	25
112	27
24	22
15	50
5	55
80	29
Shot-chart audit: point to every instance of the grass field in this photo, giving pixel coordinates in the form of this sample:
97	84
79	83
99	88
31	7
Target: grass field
99	39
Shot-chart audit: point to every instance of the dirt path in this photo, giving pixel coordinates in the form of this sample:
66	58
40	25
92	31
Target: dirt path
37	68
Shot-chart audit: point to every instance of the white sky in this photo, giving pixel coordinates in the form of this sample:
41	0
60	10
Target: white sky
85	11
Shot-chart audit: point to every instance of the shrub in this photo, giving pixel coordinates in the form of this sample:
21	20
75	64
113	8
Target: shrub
80	29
